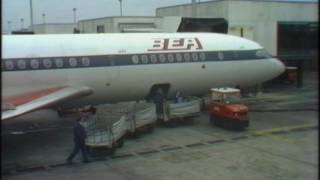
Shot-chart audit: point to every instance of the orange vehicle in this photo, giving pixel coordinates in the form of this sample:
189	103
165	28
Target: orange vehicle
291	73
225	109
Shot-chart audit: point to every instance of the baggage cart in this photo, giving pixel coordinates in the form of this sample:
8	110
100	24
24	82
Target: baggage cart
144	117
107	128
183	112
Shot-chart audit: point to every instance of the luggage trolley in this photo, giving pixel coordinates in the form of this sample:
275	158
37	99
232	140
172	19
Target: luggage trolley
107	128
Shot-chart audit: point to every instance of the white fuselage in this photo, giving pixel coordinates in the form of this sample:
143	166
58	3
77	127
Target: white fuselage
121	67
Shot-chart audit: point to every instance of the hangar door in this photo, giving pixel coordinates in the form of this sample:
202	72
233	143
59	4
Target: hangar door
298	41
246	31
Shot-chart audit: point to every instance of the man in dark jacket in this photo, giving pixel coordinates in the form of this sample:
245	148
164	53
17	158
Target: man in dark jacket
80	135
159	100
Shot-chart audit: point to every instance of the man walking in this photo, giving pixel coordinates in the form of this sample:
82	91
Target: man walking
80	135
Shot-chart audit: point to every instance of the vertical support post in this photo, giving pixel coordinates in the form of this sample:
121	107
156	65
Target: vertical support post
74	15
31	16
44	18
120	7
194	8
9	27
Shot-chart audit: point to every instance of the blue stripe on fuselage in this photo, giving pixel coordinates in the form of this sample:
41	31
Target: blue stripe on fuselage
46	63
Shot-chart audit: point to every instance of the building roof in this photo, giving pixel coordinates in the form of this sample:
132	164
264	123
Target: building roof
46	24
109	17
213	1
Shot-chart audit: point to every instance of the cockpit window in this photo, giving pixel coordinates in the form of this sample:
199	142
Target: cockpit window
262	53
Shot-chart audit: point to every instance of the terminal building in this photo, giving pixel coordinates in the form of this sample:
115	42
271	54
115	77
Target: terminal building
285	28
54	28
129	24
168	24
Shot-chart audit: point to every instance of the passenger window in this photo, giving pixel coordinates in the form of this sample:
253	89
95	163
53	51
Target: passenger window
73	62
21	64
135	59
170	58
85	61
153	58
144	59
162	58
178	57
202	56
59	62
9	65
34	63
186	56
195	56
47	62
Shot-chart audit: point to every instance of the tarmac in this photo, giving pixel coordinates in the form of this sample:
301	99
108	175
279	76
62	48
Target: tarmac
281	143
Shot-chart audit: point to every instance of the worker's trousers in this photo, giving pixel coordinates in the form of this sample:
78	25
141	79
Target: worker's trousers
77	147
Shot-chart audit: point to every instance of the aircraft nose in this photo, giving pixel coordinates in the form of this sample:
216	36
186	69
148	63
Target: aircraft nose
279	67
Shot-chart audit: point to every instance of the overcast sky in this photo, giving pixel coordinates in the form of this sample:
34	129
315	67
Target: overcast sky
59	11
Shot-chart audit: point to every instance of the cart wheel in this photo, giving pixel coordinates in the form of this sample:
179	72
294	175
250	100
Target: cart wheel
227	125
214	121
120	143
111	151
133	135
189	121
219	122
150	128
172	123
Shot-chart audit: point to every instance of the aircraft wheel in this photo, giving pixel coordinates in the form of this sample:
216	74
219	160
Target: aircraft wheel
211	120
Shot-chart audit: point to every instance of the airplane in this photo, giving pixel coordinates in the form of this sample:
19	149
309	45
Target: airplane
74	70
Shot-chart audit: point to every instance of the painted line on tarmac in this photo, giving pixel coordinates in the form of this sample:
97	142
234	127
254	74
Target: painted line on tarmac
276	131
273	131
282	139
283	110
35	131
284	129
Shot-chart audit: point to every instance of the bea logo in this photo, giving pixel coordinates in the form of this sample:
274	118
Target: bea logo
165	44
